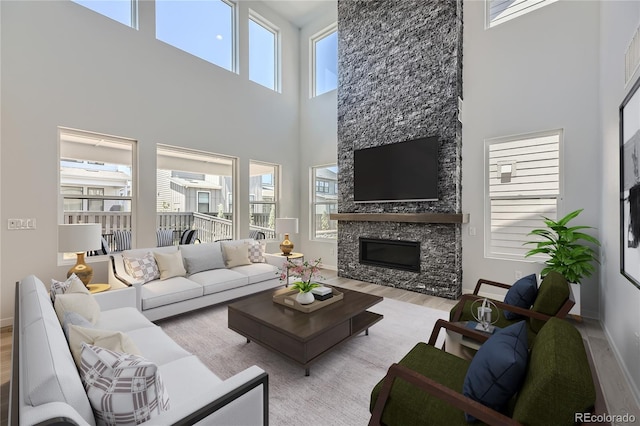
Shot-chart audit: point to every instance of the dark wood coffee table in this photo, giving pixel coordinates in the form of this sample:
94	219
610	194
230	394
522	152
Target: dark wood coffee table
298	336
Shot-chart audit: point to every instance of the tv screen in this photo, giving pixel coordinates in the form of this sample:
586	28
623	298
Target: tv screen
404	171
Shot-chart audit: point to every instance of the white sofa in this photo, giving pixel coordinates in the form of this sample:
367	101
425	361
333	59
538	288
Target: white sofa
46	387
161	298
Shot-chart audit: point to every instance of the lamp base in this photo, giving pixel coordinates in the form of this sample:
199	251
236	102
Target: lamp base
286	246
81	269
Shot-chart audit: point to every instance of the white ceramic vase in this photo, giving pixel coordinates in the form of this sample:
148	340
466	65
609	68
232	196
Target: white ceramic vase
305	298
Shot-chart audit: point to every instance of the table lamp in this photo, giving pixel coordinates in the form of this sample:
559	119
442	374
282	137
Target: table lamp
79	238
286	226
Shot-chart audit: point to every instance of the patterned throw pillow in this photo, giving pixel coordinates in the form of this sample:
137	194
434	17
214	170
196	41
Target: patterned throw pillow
144	268
256	251
61	287
122	388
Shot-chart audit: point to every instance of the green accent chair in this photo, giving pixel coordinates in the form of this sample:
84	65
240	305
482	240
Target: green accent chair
554	299
426	386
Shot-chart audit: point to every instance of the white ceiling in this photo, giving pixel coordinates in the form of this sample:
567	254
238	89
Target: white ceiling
300	12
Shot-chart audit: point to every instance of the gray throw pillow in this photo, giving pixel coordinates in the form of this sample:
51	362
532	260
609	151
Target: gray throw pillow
74	318
202	257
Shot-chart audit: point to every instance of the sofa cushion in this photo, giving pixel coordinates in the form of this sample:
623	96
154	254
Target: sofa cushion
123	319
142	251
185	377
522	294
108	339
552	294
256	251
170	265
142	268
155	345
165	292
74	318
236	254
81	303
498	368
219	280
122	388
258	272
202	257
73	284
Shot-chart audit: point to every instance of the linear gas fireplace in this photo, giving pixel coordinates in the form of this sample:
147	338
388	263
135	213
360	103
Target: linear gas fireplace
395	254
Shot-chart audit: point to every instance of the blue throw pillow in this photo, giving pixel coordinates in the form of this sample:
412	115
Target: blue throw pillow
497	370
521	294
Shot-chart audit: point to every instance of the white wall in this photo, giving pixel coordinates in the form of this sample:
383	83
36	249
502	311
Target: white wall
318	142
65	65
534	73
620	300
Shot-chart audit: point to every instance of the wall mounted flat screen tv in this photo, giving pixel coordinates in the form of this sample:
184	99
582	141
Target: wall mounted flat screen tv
404	171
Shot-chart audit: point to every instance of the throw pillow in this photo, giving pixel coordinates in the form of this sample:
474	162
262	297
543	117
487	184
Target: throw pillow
122	388
236	254
497	370
73	284
170	265
82	303
256	251
522	294
142	268
109	339
73	318
202	257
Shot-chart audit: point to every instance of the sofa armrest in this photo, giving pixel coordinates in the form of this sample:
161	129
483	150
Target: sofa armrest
241	399
275	259
439	391
457	328
118	298
117	274
57	413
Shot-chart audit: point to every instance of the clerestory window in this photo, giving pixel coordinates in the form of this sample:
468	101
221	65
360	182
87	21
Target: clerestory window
123	11
263	52
324	54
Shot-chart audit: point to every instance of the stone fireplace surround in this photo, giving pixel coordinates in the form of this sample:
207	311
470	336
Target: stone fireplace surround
400	77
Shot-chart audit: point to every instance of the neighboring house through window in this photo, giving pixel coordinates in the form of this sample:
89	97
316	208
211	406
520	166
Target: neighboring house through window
263	52
324	202
524	184
263	193
324	57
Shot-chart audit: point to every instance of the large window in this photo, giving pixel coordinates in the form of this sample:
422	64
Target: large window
524	183
263	52
204	28
263	193
123	11
97	182
324	54
193	190
499	11
324	202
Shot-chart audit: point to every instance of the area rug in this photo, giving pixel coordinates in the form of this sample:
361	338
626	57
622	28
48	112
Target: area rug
338	390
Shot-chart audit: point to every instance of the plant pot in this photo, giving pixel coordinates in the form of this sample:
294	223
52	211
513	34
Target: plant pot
305	298
575	289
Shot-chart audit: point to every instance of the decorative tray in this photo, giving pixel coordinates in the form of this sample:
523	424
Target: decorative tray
287	298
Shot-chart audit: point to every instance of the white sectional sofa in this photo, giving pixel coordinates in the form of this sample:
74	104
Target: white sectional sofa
213	273
46	386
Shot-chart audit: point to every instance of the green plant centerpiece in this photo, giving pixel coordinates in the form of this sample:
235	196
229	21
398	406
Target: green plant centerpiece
305	272
563	244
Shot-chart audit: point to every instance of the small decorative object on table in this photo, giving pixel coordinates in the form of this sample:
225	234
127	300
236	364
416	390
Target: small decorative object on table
305	271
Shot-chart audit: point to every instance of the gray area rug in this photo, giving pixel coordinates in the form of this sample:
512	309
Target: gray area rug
337	391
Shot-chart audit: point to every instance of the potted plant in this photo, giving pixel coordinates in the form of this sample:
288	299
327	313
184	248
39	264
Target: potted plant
305	271
567	254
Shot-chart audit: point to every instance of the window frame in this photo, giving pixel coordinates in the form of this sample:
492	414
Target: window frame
314	203
516	10
275	30
276	192
134	14
313	40
559	197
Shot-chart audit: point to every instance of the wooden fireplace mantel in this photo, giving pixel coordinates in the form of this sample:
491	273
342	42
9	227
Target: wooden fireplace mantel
402	217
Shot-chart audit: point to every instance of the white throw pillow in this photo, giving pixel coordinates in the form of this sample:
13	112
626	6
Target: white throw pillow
73	284
236	254
202	257
170	265
82	303
122	388
256	251
142	268
108	339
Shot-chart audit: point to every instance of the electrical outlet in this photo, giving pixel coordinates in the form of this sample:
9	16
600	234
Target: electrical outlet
332	251
14	224
518	275
472	231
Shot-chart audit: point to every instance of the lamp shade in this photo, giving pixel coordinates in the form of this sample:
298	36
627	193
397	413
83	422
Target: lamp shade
79	237
287	225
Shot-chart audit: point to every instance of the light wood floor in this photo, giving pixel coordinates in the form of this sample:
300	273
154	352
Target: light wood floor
618	396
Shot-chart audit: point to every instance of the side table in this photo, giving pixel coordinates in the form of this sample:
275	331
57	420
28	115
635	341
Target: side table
98	288
291	256
460	345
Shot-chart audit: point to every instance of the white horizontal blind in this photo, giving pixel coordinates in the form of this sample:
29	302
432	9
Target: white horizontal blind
499	11
523	185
